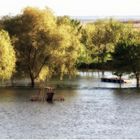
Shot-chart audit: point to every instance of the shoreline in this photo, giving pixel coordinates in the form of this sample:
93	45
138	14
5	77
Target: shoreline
70	88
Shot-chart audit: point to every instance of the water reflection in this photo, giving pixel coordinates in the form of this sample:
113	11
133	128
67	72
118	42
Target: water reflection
84	80
89	80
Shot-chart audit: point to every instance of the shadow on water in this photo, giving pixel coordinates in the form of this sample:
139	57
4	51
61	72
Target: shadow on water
18	95
24	94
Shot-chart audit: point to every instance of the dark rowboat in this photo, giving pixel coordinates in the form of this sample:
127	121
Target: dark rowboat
113	80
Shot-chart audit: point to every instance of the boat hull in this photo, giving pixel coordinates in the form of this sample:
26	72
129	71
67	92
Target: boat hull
112	80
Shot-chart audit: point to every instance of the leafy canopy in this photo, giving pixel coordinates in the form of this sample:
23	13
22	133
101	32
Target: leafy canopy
7	56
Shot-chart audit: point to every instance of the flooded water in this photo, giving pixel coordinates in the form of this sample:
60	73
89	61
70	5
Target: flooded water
85	113
91	80
84	80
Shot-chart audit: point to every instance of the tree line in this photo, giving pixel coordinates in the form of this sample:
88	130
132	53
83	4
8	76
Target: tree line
39	45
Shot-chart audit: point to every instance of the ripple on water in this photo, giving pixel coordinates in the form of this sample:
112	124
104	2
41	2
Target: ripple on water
83	114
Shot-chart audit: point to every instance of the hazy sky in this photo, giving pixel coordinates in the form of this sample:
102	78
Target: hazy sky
75	7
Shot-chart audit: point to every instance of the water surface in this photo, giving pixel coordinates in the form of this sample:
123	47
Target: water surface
85	113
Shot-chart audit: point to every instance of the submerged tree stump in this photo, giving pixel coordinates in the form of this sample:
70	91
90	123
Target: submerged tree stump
49	94
44	96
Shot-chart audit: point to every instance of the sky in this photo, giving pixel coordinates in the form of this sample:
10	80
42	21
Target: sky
75	7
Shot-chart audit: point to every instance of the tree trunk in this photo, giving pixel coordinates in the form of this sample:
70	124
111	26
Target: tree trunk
120	77
103	73
102	67
137	80
32	80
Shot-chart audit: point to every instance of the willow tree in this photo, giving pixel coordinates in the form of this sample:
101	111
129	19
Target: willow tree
33	34
7	56
44	47
70	48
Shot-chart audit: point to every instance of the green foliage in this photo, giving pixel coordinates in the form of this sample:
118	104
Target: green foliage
125	49
107	33
129	34
45	45
7	56
66	56
87	31
33	37
126	57
66	20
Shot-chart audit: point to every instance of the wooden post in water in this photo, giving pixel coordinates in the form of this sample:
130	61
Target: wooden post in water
50	94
